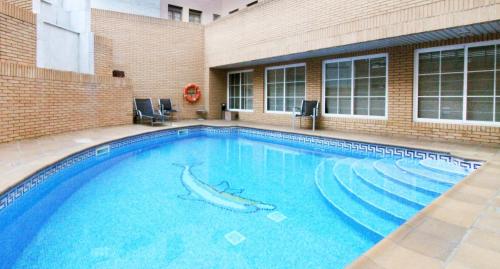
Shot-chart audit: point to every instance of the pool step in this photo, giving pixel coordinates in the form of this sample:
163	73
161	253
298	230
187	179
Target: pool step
384	205
365	170
444	167
388	168
414	167
361	214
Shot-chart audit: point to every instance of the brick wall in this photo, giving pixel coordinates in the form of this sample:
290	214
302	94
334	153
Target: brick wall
103	56
159	56
283	27
24	4
17	35
36	102
400	106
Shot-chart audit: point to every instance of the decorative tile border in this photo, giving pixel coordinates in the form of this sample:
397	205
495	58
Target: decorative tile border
316	142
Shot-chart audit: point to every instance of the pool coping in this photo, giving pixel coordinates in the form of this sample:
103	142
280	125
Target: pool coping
399	245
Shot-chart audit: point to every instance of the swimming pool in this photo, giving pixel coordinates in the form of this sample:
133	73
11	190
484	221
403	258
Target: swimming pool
204	197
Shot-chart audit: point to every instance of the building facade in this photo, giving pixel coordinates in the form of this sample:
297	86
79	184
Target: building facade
421	69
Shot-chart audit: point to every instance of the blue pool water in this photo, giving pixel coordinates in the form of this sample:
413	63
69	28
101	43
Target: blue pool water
217	201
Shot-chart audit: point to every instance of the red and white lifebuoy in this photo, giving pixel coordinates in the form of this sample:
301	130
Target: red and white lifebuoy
192	92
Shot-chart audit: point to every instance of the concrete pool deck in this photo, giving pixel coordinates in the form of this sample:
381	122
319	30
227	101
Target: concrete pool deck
461	229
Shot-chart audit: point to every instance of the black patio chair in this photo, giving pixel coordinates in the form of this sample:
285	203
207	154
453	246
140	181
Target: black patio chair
308	109
166	107
144	110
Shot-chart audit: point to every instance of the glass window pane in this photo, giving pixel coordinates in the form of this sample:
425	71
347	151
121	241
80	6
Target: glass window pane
300	73
290	74
231	103
377	86
290	104
271	90
271	76
377	67
377	106
236	103
345	69
279	104
300	89
428	85
428	107
497	112
361	68
271	104
249	92
279	90
243	91
360	105
344	105
480	83
236	91
242	103
451	108
280	75
298	103
290	89
331	105
452	61
452	84
332	71
331	88
361	87
345	87
428	62
249	103
480	108
481	58
248	78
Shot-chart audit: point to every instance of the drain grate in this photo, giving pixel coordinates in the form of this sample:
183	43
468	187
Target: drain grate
102	150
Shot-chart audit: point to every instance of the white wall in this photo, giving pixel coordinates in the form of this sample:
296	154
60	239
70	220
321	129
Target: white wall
159	8
149	8
64	39
207	7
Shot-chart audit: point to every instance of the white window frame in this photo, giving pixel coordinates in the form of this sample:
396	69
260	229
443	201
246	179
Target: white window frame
352	59
227	84
464	120
284	87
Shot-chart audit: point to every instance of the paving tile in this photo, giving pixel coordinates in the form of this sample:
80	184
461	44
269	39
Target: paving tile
484	239
428	245
441	229
455	216
476	257
471	194
396	256
489	221
364	263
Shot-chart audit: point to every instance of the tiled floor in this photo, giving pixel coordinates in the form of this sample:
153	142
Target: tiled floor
460	230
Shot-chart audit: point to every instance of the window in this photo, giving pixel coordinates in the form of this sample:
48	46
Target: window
458	84
174	13
240	90
233	11
355	86
285	88
194	16
216	17
252	3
